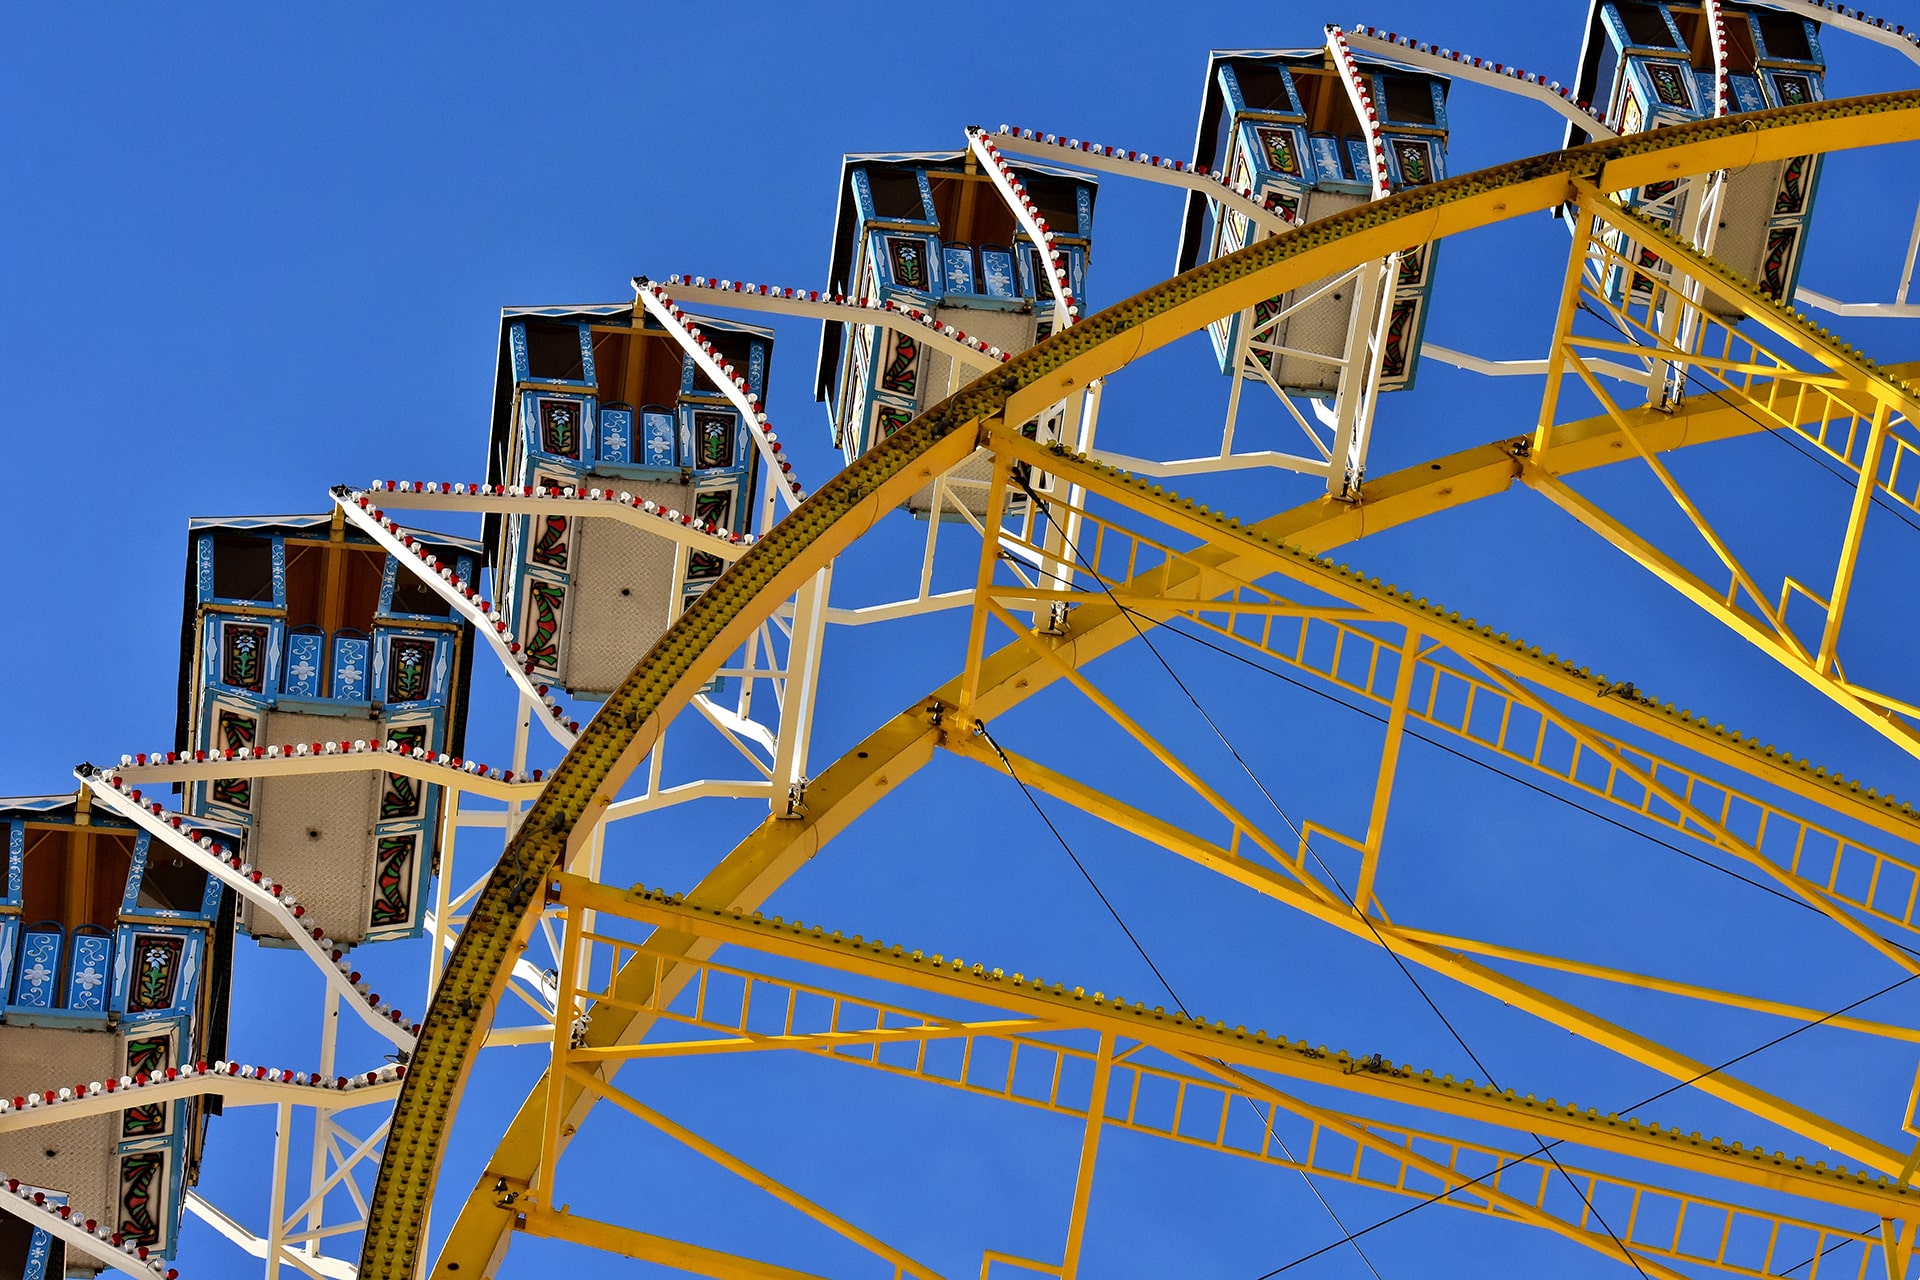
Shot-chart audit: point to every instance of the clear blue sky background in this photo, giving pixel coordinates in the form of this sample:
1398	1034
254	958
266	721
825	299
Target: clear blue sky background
249	254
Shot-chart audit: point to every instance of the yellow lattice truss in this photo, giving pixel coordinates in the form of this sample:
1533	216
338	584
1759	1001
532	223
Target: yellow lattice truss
1141	557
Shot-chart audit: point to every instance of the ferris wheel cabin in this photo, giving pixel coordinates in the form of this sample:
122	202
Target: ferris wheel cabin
1283	123
115	954
929	231
299	630
605	398
1647	65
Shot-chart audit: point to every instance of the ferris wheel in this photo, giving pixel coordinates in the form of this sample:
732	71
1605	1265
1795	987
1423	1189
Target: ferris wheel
1185	753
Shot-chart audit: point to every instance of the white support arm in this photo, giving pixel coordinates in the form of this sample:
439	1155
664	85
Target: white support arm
1408	52
1717	36
583	504
1893	35
1224	462
238	1084
1066	311
359	756
490	623
1884	310
660	305
811	305
1521	368
323	1267
69	1225
1363	109
1132	164
258	890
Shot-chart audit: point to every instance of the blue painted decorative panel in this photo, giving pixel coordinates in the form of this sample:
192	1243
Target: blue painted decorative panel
89	969
40	1246
996	272
1792	88
1327	163
616	435
411	670
586	354
245	655
957	260
305	660
656	436
351	658
712	438
9	946
554	425
388	577
39	964
1357	163
1413	161
203	567
517	339
156	969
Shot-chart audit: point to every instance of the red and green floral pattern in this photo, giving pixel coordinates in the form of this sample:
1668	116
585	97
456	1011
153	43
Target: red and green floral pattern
546	600
550	546
233	732
899	375
152	1055
140	1190
401	796
393	880
156	971
560	428
409	669
243	656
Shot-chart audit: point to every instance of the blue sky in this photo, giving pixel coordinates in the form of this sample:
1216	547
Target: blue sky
251	254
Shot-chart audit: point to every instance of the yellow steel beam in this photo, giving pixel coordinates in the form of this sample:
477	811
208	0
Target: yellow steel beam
1451	964
1177	1034
1536	734
1668	986
1866	706
767	857
632	720
845	789
1827	659
1883	395
1412	1160
1385	771
1846	365
559	1224
809	1042
1715	831
1242	826
1175	1105
1263	554
1089	1156
586	783
903	1265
